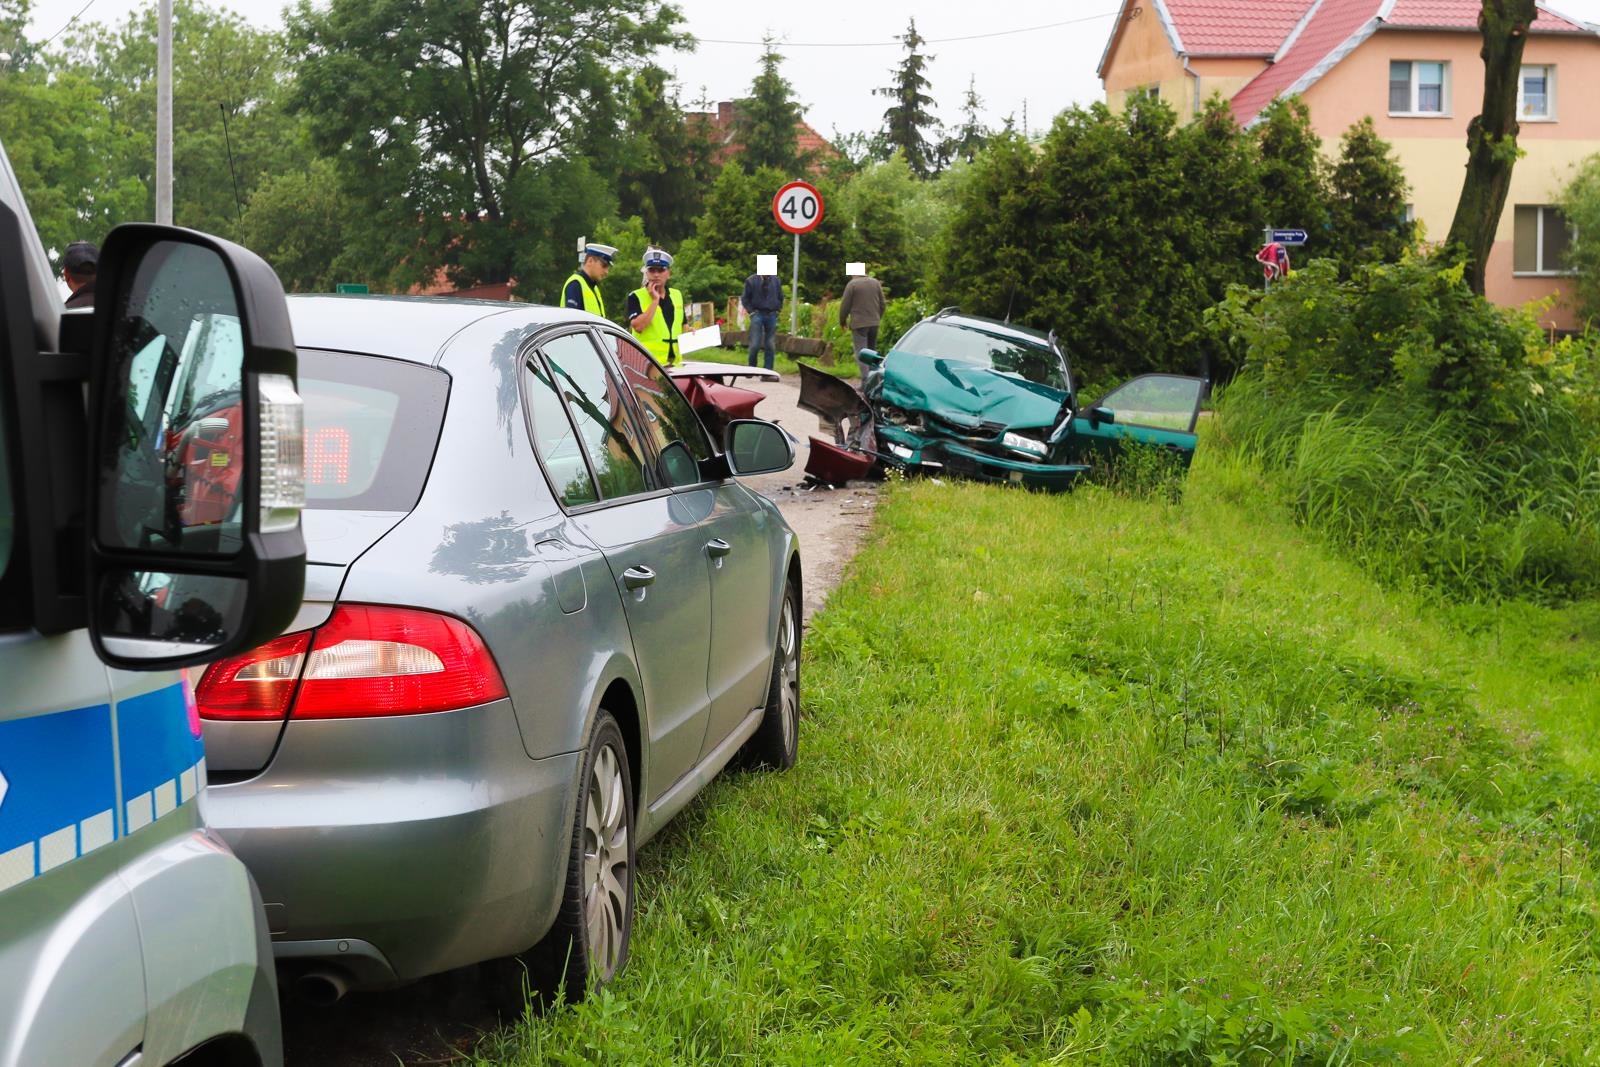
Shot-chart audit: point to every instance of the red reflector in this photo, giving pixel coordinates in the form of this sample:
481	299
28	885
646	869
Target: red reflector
254	685
366	660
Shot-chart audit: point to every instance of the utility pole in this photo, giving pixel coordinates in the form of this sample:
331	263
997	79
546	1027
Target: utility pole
164	114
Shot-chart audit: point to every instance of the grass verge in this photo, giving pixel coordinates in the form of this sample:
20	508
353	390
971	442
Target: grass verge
1112	780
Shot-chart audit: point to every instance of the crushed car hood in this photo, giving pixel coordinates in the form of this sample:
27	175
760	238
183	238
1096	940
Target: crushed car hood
964	394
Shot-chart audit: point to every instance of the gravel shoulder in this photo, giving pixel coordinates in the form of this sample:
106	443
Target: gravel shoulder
832	524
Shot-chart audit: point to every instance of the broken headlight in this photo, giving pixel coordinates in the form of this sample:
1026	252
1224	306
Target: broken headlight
1018	443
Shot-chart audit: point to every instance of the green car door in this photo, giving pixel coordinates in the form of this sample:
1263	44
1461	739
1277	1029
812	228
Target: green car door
1152	409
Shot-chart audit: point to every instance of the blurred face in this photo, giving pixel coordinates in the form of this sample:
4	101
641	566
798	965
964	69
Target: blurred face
596	267
658	275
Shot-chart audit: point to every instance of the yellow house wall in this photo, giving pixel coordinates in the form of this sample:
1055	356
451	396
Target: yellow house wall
1433	150
1143	56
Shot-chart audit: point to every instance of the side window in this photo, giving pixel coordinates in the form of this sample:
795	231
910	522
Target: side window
556	441
675	430
1161	401
599	414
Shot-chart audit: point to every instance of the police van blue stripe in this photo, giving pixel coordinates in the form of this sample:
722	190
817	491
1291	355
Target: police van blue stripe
60	782
58	800
160	754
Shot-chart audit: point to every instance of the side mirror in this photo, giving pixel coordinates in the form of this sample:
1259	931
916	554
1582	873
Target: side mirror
869	357
196	452
754	446
1097	415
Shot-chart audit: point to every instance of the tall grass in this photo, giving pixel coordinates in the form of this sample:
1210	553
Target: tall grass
1478	512
1102	779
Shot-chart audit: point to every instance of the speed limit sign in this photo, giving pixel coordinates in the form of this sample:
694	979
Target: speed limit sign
798	207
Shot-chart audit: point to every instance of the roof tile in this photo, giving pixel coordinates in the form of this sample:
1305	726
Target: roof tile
1332	25
1231	28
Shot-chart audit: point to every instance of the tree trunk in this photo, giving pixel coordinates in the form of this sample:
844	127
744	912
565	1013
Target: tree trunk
1492	136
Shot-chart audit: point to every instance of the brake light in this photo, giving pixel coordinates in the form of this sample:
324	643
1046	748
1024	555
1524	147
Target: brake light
366	660
254	685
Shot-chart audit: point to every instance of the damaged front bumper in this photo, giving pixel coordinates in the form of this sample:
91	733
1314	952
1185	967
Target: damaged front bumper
913	452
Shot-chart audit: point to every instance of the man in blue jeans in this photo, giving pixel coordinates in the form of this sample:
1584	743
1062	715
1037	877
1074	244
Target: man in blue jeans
763	296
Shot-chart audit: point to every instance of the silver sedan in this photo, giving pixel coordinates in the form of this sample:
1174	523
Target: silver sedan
541	613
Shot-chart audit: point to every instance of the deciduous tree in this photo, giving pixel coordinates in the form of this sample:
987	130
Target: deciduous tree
1492	134
464	127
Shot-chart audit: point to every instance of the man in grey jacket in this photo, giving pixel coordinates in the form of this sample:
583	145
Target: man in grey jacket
861	307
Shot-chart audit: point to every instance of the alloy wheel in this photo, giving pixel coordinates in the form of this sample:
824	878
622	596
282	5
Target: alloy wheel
606	872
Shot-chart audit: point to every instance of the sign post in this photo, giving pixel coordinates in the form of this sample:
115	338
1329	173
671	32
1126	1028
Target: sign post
1274	257
798	209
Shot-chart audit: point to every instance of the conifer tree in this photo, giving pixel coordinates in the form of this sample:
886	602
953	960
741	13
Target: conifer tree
970	137
766	119
909	123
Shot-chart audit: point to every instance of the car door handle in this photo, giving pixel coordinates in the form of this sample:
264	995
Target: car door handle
637	578
718	547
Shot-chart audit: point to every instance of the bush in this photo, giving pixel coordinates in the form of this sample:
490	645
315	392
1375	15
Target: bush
1431	434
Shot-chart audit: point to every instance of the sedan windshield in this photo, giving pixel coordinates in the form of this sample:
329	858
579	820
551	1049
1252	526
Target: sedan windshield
1005	355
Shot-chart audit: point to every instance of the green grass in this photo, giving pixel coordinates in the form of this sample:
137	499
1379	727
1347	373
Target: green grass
1112	780
843	366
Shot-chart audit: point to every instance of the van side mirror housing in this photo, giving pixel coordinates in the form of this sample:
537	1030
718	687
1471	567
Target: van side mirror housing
196	462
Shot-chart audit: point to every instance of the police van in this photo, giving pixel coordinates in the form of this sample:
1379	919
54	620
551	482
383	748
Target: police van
150	486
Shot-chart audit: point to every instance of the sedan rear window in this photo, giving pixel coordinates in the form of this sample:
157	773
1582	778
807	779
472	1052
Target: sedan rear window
937	340
371	427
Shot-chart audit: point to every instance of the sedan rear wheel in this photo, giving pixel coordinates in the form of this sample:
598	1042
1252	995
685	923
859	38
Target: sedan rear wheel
588	945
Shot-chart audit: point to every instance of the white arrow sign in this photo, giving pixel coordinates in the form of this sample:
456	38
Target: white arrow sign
4	785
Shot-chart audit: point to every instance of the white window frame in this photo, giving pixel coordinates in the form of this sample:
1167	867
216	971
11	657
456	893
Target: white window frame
1538	246
1445	94
1549	93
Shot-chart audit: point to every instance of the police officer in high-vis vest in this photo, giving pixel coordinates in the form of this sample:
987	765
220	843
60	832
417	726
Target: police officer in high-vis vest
655	311
582	289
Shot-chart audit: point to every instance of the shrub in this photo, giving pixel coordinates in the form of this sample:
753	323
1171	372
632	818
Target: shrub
1431	434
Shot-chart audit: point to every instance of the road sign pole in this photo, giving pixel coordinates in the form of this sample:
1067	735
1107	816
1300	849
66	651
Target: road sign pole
794	290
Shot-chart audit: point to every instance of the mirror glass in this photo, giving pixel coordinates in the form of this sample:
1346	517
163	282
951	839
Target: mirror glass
151	614
174	433
756	447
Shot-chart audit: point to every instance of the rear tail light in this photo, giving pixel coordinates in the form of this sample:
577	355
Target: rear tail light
365	660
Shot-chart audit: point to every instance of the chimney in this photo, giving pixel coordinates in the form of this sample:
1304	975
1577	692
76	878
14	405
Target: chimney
724	112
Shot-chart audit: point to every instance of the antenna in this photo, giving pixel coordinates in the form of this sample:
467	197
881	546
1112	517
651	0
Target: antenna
227	139
1011	299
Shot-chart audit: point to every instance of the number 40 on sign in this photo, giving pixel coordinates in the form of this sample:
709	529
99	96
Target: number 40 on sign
798	207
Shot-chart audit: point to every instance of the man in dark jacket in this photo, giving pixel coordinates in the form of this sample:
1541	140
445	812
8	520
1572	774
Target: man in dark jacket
763	296
78	267
861	307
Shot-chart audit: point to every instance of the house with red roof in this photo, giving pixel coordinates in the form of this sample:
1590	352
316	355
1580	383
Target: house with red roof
1414	67
722	125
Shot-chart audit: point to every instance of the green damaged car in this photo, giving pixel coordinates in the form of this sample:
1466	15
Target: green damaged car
976	398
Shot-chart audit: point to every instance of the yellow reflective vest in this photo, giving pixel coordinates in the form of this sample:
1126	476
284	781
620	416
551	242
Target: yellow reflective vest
593	302
660	338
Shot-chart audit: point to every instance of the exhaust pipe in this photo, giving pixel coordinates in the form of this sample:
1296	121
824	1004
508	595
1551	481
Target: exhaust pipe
322	989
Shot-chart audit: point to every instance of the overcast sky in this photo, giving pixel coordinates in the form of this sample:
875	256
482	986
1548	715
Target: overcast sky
1027	57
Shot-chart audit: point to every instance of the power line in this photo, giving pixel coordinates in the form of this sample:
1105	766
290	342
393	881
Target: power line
68	26
895	43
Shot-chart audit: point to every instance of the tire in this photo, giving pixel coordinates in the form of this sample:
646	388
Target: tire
776	742
588	945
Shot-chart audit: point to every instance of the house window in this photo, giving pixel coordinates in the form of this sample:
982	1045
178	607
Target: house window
1536	93
1143	92
1541	240
1417	88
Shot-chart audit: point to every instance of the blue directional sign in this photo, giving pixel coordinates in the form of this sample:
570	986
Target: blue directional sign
1294	238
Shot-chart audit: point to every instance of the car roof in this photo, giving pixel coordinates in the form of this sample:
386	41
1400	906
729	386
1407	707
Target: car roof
414	328
1026	334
